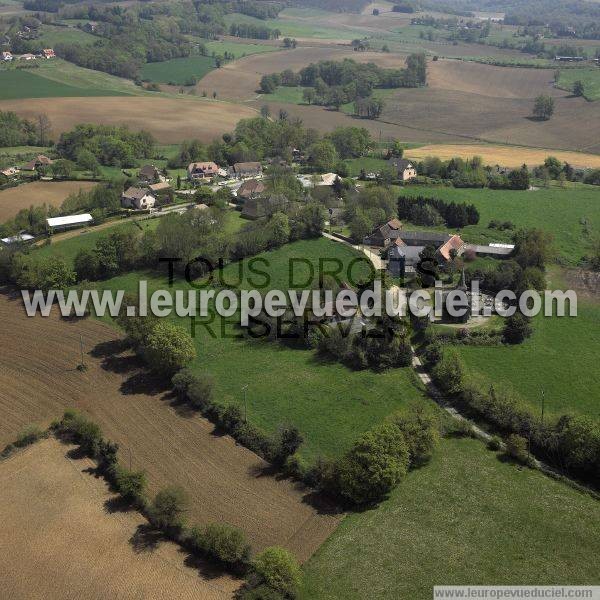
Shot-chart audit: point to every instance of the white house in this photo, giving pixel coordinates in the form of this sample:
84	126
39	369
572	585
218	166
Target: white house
138	198
405	169
7	56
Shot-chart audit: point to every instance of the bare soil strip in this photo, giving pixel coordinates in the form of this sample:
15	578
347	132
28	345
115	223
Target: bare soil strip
170	120
226	482
38	193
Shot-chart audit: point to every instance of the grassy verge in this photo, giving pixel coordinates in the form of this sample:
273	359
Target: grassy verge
466	518
590	77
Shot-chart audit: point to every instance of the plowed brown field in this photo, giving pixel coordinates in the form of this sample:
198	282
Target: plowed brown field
37	193
59	541
226	482
170	120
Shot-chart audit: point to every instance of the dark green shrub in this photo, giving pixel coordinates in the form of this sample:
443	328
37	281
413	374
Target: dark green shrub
131	485
222	542
420	433
517	448
168	508
495	444
374	465
279	570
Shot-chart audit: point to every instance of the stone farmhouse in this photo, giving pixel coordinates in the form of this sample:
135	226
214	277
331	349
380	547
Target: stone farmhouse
252	188
242	170
202	170
404	168
137	198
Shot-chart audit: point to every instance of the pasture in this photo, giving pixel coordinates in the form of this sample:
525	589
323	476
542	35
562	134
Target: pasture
560	359
466	518
329	403
68	73
560	211
169	119
51	35
39	377
37	193
65	543
21	83
239	50
590	77
178	71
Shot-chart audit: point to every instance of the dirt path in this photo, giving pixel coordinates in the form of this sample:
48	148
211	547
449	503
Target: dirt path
226	482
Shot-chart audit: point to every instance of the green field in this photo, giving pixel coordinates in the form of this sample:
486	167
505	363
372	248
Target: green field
20	83
557	210
589	76
295	27
560	358
52	35
178	71
238	50
330	404
466	518
68	73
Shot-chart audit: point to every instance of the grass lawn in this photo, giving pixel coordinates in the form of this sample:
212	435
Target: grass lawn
52	35
292	95
557	210
178	70
368	163
589	76
16	84
466	518
330	404
238	50
68	73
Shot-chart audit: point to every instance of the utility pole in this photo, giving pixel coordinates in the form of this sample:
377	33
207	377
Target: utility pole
245	389
82	363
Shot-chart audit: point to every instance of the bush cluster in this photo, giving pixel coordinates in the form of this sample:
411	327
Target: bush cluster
433	211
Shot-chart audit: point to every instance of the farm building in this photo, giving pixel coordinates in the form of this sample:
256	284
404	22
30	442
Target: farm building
245	169
149	174
39	161
404	168
48	53
202	170
159	188
68	222
7	56
382	235
138	198
496	250
16	239
10	172
250	189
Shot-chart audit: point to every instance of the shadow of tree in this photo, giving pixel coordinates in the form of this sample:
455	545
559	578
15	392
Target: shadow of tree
145	538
